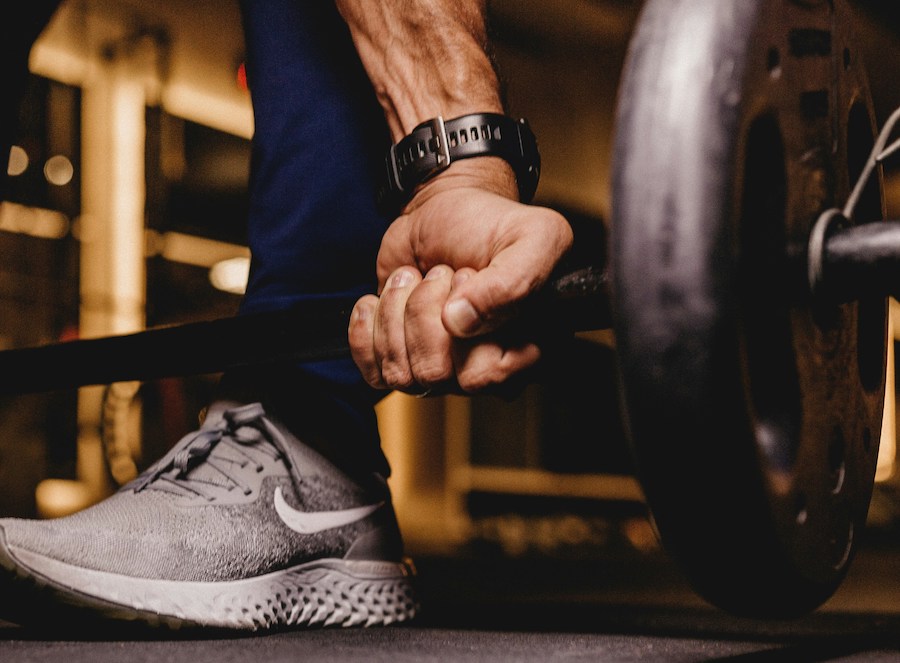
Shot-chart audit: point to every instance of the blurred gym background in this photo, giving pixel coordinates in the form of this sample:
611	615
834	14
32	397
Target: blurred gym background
126	210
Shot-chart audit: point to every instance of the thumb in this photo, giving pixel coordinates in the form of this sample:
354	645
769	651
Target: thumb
481	301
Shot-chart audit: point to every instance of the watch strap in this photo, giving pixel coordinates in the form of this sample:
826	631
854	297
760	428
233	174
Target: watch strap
435	144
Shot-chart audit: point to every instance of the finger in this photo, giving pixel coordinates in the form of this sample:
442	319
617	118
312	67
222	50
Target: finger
492	295
483	365
361	334
389	333
460	276
427	341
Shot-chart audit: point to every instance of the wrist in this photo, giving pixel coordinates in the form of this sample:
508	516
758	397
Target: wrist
491	174
437	146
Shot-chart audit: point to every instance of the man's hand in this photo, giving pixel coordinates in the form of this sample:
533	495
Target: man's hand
465	252
452	270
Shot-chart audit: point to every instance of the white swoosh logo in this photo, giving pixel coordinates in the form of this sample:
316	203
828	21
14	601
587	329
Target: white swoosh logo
310	522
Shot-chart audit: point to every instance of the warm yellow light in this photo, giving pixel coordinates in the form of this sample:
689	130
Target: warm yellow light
231	114
887	450
59	170
60	497
198	251
18	161
34	221
231	275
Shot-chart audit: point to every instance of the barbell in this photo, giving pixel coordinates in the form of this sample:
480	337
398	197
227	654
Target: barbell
746	288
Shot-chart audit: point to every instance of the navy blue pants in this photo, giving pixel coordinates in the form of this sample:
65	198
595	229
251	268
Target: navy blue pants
314	230
313	227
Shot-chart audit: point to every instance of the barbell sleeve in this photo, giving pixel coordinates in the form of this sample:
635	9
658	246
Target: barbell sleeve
862	261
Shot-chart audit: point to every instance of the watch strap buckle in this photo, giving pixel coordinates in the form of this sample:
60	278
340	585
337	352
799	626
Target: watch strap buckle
442	144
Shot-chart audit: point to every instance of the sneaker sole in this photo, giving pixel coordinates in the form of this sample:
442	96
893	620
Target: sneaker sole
321	593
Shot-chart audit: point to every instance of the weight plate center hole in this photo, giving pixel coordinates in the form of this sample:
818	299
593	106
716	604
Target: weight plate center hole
764	268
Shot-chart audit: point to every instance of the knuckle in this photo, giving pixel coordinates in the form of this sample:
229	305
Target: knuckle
425	300
396	376
432	370
375	381
369	372
429	353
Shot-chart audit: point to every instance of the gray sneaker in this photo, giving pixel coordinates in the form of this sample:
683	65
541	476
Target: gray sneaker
240	526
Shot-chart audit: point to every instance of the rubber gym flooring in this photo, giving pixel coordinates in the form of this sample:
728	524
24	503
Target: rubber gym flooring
633	607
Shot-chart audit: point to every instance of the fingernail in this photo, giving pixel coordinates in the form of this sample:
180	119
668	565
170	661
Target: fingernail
361	314
434	273
462	316
401	279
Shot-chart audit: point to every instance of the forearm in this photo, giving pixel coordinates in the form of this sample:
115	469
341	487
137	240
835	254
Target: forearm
464	253
424	57
427	58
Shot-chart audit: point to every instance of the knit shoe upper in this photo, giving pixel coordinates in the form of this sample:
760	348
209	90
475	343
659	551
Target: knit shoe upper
239	526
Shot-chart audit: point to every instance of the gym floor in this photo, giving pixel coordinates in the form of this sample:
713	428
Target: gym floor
616	606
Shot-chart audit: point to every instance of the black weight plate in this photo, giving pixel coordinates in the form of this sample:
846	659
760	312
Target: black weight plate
754	416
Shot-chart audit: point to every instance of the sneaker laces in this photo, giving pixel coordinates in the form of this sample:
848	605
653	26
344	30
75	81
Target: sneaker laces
191	467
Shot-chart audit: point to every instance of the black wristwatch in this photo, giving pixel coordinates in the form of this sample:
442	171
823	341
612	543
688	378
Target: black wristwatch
435	144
